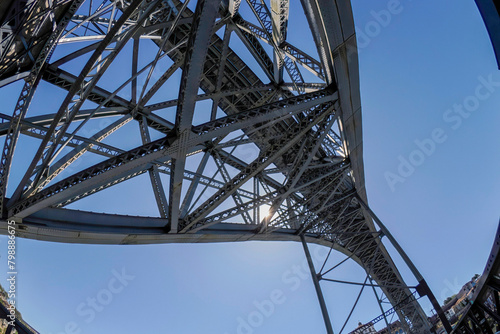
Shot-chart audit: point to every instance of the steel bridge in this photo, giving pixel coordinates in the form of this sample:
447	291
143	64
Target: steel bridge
261	140
482	313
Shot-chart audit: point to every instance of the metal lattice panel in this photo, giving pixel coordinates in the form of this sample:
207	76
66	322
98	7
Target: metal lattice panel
304	129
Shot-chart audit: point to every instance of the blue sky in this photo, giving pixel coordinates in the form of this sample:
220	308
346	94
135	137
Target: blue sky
415	70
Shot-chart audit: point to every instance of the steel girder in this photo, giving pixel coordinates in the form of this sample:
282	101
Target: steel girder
270	140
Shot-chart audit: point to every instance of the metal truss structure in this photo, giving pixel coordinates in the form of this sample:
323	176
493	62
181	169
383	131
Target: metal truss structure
258	123
482	314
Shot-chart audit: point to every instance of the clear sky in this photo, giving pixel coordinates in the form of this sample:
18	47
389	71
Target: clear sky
417	68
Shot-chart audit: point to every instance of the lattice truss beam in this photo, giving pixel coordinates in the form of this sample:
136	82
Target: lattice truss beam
257	139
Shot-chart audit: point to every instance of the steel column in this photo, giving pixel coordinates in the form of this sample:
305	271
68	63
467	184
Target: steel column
317	287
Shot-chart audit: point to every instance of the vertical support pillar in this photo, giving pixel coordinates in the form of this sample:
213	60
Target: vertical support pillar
321	299
422	288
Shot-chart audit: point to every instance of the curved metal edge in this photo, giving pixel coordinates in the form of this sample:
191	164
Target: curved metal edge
490	13
333	22
488	278
65	225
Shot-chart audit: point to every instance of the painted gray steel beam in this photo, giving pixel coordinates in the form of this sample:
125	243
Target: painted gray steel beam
332	25
75	226
46	119
490	11
196	51
317	287
154	175
63	225
38	131
81	88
